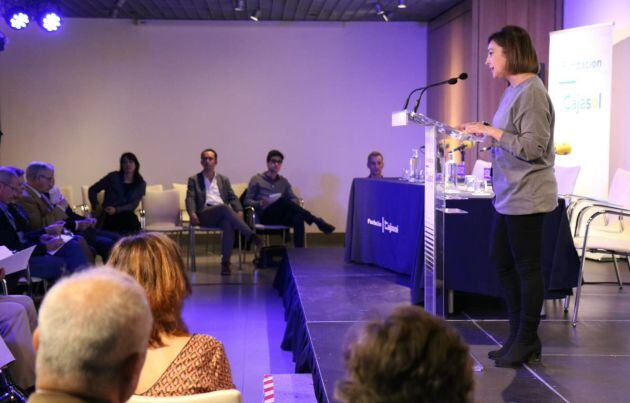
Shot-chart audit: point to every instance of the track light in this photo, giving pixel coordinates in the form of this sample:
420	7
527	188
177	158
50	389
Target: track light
49	19
240	5
17	18
255	15
402	4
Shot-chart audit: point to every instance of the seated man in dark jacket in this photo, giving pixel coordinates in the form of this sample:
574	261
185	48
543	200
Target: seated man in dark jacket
44	208
50	256
275	203
211	202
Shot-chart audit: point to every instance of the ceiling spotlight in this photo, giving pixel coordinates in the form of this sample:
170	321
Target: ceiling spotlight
49	18
240	5
17	18
379	9
402	4
255	15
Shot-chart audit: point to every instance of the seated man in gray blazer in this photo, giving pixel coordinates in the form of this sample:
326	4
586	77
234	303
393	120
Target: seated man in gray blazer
211	202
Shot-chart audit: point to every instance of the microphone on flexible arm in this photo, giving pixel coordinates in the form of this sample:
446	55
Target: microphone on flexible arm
450	81
466	145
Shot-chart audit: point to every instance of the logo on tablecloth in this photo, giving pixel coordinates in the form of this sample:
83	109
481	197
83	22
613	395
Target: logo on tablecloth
384	225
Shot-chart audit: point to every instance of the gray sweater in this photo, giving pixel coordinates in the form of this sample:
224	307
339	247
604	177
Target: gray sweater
522	161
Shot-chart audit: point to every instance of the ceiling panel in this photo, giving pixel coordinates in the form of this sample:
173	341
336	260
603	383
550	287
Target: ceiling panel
273	10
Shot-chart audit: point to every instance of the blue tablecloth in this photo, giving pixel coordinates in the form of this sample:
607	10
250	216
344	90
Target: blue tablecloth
467	265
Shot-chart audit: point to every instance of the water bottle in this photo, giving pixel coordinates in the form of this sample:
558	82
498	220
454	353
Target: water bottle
413	165
451	173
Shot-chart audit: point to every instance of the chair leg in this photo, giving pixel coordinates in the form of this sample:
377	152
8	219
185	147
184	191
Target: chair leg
240	251
567	300
191	248
614	258
578	292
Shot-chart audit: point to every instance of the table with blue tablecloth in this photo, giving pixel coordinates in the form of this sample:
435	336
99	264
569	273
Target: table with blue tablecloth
385	228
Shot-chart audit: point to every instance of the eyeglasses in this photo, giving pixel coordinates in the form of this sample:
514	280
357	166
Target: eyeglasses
207	158
48	178
275	161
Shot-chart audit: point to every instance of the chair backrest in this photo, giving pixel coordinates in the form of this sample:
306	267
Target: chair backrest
155	188
219	396
478	168
239	188
161	207
100	196
182	188
566	178
619	191
68	194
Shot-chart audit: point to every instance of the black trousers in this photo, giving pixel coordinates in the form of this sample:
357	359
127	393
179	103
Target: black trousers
285	212
515	250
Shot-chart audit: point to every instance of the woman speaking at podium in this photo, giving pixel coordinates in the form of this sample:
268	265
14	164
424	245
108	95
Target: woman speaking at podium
524	185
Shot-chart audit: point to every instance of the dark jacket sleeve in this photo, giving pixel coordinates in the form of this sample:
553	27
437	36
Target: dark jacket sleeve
102	184
251	198
191	196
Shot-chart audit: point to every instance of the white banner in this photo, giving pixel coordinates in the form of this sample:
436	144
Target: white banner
580	80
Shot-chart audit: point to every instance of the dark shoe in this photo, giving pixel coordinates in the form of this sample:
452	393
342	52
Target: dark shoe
324	226
225	269
520	353
494	354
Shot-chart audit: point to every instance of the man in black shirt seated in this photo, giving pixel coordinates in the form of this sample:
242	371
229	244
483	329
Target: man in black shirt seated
275	203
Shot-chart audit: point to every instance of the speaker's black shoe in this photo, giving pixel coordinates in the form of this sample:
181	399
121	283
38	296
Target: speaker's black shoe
520	353
324	226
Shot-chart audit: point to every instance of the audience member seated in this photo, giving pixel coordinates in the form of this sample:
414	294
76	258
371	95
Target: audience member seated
92	338
275	203
411	356
18	320
211	202
178	363
44	207
123	192
50	256
375	164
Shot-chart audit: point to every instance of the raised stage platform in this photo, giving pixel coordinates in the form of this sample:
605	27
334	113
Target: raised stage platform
324	298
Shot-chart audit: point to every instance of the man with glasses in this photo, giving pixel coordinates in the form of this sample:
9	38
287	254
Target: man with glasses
275	203
211	202
45	206
51	256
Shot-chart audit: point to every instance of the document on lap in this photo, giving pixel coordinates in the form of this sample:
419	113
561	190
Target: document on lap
274	197
14	262
65	239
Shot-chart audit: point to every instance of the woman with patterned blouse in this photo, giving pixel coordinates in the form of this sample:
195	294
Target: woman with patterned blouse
177	363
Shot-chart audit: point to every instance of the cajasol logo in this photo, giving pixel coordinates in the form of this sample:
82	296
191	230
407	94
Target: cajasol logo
579	103
384	225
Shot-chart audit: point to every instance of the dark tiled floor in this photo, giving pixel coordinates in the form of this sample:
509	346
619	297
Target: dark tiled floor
588	363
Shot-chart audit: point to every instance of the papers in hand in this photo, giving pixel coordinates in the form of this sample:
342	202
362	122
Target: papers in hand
14	262
65	239
274	197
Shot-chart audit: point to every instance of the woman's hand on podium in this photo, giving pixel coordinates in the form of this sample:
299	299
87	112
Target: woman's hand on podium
481	129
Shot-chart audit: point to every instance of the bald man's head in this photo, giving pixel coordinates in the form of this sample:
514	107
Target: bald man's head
93	335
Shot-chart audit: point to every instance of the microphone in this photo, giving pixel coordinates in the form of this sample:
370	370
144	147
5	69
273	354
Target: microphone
466	145
485	148
450	81
563	149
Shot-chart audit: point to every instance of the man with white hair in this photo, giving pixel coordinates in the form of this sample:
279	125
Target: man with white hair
92	338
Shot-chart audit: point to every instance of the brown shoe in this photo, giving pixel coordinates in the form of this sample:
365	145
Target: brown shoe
225	269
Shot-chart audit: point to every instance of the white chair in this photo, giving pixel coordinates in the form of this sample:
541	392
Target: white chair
182	188
155	188
479	167
219	396
566	178
239	189
161	212
68	194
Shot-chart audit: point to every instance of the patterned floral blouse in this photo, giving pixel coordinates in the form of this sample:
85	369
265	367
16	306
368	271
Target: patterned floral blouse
202	366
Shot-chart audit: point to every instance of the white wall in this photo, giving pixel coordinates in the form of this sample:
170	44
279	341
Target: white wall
320	92
587	12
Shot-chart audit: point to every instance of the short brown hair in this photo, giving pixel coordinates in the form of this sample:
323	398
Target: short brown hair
374	154
518	49
155	261
411	356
